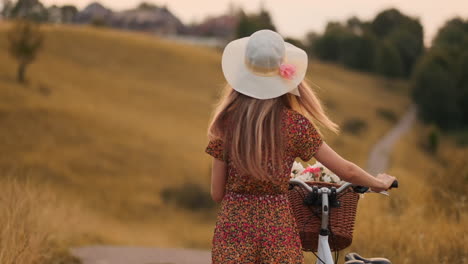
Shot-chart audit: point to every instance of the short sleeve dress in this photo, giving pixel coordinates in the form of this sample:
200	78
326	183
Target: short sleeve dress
255	222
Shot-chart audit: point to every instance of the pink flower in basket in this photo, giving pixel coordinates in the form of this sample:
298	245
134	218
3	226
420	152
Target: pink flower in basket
287	71
315	171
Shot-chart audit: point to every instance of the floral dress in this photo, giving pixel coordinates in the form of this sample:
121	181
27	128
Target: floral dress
255	222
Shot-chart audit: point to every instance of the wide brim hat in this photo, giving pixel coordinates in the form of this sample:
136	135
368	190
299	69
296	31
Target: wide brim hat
263	65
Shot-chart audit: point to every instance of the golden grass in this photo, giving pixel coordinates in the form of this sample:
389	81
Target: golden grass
32	224
110	118
423	221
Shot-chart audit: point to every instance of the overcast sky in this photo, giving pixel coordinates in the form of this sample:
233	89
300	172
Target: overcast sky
296	17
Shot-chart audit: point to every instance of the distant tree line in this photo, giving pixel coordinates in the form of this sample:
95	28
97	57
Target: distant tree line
249	23
440	80
32	10
388	45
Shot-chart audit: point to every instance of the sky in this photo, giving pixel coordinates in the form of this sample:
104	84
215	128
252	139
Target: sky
294	18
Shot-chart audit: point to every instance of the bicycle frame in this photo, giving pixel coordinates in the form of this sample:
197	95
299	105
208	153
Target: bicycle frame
323	251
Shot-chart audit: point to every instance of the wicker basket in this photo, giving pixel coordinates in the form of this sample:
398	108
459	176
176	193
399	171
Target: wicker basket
308	218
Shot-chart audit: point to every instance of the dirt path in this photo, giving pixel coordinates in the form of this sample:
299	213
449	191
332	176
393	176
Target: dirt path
140	255
379	155
378	162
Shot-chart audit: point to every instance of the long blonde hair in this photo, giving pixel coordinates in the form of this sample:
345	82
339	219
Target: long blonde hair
254	127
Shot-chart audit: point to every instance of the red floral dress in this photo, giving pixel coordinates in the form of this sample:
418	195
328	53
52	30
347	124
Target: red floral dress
255	222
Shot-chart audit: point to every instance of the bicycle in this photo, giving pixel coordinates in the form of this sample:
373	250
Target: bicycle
324	255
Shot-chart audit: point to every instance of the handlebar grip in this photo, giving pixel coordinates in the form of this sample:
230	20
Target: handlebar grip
394	184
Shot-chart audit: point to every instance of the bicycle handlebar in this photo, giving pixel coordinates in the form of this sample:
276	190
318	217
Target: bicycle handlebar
356	188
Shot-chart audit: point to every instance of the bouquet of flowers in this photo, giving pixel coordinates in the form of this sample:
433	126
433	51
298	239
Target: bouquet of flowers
316	172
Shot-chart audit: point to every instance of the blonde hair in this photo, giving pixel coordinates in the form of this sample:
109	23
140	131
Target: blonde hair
256	131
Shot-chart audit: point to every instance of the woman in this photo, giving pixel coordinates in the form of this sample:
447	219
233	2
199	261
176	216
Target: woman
261	124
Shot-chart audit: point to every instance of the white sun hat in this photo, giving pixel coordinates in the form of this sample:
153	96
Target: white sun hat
263	65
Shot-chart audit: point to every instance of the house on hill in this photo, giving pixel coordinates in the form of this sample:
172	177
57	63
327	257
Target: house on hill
223	27
94	13
148	18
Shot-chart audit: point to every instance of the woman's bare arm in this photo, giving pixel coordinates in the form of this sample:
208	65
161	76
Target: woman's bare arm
218	180
349	171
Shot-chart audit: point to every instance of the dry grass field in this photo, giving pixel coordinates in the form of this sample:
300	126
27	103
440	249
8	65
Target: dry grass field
425	220
111	121
35	224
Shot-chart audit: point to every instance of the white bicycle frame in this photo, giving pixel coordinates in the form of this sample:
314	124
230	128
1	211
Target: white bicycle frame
324	251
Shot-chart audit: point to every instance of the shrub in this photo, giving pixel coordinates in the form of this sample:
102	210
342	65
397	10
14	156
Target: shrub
387	114
433	140
190	196
354	126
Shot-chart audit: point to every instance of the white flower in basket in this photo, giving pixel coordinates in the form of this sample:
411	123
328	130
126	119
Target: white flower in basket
315	172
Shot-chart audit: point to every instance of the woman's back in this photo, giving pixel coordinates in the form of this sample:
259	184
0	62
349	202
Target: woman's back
255	222
301	140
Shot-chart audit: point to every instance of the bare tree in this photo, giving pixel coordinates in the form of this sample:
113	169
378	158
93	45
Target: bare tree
25	40
7	6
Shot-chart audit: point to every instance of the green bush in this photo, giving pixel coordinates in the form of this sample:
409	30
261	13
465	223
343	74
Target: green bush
191	196
433	140
354	126
387	114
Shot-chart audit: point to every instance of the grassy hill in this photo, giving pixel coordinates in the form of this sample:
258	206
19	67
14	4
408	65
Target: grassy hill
111	121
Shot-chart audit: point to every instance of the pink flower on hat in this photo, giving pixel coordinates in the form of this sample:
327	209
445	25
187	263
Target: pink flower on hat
287	71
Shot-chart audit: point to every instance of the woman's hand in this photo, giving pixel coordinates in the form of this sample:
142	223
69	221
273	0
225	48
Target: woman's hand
386	180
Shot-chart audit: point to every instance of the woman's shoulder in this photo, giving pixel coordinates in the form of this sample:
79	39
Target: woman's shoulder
294	117
298	123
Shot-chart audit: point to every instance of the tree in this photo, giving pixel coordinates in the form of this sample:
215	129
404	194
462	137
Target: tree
148	6
30	9
310	41
328	47
408	47
264	21
454	34
69	13
25	40
357	51
463	86
388	61
296	42
435	91
392	19
248	24
6	9
402	32
244	27
440	80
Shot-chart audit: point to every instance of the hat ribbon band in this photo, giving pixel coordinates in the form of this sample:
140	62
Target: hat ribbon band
261	71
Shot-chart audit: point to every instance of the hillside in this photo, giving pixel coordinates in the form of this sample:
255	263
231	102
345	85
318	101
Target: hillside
111	119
